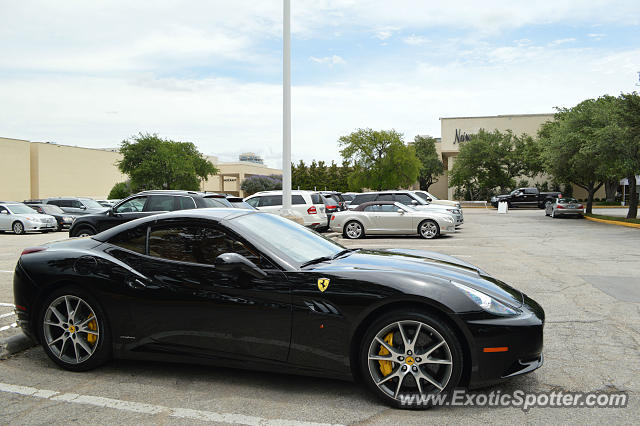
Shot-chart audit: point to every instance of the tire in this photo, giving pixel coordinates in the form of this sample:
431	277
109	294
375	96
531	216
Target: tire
429	229
84	232
382	376
90	339
353	230
18	228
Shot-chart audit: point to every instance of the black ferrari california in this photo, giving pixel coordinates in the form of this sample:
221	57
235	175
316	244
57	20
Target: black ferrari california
247	289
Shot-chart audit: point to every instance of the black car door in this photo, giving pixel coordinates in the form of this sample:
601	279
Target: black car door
185	303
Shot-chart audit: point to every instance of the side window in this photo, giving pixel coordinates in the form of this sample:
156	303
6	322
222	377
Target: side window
196	244
76	204
270	200
385	197
531	191
363	198
316	199
185	203
132	239
54	202
421	195
159	203
403	198
253	202
3	209
131	206
389	208
372	208
297	199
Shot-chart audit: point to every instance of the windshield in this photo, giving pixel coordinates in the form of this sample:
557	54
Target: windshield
52	209
433	197
567	200
241	205
286	237
20	209
91	204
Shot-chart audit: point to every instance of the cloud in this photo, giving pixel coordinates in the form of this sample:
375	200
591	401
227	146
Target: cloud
331	60
562	41
414	40
383	34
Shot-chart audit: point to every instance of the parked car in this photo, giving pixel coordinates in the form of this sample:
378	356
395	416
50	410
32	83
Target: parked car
333	202
64	220
308	204
33	201
348	197
408	198
105	203
525	197
564	207
143	204
238	202
391	218
430	198
77	205
252	290
20	218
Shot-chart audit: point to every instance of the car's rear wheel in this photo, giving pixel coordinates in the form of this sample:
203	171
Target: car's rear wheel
73	330
406	354
353	230
429	229
84	232
18	228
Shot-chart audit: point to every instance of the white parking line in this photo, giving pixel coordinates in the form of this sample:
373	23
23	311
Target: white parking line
7	315
6	304
6	327
138	407
6	272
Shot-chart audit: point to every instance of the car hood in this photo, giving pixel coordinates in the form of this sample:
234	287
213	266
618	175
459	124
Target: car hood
34	215
425	264
432	206
445	203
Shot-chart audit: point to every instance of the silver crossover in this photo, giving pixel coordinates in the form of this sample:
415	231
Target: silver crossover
563	206
391	218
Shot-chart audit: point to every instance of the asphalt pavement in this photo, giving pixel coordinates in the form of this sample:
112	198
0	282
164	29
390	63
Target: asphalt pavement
585	274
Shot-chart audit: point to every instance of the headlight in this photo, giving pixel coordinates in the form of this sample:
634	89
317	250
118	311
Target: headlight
447	219
67	219
33	219
454	211
486	302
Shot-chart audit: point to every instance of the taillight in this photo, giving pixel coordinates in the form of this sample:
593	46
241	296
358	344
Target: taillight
312	210
560	206
32	250
331	207
580	206
333	217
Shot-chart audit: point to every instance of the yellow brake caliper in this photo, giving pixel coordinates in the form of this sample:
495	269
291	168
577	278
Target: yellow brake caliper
386	366
91	338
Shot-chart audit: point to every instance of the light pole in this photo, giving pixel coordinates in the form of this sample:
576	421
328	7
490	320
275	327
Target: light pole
286	110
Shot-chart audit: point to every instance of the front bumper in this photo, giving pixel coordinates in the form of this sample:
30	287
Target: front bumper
39	226
447	228
522	335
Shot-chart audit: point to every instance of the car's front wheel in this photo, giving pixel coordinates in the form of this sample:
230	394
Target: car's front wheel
73	330
18	228
353	230
429	229
84	232
407	355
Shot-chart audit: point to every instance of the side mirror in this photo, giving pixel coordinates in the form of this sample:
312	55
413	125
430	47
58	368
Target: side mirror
230	262
400	211
414	202
83	207
112	211
429	199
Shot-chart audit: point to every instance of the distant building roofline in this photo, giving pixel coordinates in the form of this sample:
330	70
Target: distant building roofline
501	116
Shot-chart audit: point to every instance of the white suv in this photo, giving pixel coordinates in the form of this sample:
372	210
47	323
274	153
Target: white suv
308	204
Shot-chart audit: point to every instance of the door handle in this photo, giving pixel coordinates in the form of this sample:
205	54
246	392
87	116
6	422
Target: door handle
138	284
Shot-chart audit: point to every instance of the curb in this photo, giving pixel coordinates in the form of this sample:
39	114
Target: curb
15	344
613	222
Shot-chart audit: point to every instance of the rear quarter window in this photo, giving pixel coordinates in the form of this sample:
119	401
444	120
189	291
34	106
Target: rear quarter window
316	199
363	198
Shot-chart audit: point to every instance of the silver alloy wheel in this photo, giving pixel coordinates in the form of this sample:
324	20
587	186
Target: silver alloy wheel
71	329
18	228
429	229
421	361
354	230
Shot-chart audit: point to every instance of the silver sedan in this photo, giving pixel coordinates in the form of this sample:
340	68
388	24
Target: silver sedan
390	218
564	206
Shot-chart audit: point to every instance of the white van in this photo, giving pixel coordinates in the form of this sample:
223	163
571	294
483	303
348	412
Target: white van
308	204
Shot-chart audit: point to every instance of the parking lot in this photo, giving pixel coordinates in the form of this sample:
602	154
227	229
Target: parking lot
586	275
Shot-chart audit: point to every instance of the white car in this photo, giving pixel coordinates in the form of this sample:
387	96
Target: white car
391	218
430	198
20	218
408	198
308	204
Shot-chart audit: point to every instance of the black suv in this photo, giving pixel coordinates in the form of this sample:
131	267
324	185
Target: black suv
143	204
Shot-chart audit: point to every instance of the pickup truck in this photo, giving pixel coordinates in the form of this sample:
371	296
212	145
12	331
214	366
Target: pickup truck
525	197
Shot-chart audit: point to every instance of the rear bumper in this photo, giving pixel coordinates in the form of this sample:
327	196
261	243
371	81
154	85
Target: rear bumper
559	212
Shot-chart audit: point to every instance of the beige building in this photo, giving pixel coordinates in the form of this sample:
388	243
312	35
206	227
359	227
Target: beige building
39	170
456	130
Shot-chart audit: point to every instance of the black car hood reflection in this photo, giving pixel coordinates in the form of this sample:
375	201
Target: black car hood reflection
425	264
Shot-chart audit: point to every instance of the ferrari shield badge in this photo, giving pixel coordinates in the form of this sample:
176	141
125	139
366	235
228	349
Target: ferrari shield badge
323	283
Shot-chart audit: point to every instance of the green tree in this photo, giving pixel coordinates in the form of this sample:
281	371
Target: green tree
380	159
258	183
628	113
431	166
119	191
156	163
572	147
493	160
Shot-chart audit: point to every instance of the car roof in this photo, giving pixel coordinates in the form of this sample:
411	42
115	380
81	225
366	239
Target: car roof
213	213
179	192
362	206
279	192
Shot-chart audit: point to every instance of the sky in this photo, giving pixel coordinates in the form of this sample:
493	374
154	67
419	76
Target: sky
95	73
